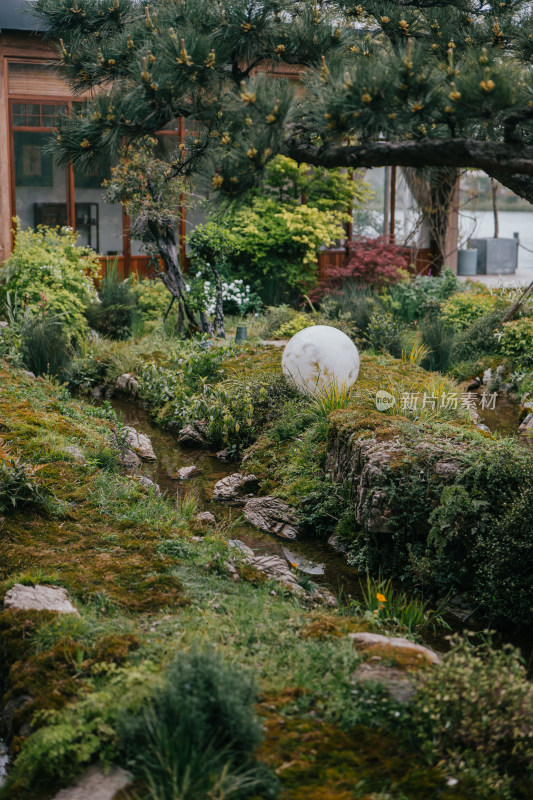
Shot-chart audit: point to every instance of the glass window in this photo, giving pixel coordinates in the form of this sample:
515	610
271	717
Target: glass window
98	224
40	183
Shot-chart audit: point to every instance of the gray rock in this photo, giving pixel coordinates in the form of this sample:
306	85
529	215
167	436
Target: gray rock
527	425
337	543
128	458
3	326
482	427
272	515
140	444
447	468
400	686
186	472
205	518
28	374
303	564
391	645
97	783
487	375
97	393
224	455
127	383
194	435
148	484
276	569
76	454
235	487
39	598
236	544
499	371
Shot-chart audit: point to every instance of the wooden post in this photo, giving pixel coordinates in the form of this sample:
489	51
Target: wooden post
5	180
392	230
386	203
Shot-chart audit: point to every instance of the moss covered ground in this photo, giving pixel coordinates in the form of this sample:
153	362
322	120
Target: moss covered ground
146	589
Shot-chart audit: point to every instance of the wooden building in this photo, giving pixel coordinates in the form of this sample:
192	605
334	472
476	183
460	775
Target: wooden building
33	186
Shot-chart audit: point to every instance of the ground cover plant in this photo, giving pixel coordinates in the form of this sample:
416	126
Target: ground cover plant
148	594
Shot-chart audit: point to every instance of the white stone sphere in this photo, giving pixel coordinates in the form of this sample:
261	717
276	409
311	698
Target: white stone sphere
318	357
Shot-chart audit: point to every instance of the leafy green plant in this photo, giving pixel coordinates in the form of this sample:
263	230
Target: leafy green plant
47	266
384	332
330	397
17	487
475	711
292	326
417	354
476	340
385	604
354	301
413	299
198	735
462	309
70	739
517	341
504	557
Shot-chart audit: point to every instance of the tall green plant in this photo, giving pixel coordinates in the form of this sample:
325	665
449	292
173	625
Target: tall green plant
113	314
47	266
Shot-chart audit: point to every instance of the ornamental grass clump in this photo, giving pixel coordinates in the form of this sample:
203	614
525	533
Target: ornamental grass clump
474	711
197	737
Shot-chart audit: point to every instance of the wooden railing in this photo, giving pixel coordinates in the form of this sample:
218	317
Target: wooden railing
143	266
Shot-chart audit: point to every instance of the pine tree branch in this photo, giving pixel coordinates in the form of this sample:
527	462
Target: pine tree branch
491	157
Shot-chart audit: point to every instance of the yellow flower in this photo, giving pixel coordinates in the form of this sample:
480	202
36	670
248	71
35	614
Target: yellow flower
217	181
85	144
381	597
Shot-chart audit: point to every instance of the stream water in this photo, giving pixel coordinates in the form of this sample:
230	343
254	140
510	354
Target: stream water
313	556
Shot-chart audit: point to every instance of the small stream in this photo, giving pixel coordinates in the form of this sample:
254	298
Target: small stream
313	556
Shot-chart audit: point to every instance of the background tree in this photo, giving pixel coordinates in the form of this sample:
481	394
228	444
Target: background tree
434	83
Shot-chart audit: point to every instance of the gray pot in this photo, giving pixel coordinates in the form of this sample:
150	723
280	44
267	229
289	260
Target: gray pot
496	256
467	262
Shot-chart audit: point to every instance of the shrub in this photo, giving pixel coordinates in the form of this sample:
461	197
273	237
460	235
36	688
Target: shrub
476	340
413	299
504	558
293	326
277	246
438	337
517	341
461	310
152	298
352	301
372	262
112	315
197	737
44	346
17	487
385	333
475	711
46	266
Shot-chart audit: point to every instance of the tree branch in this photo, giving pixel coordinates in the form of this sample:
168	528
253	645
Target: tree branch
488	156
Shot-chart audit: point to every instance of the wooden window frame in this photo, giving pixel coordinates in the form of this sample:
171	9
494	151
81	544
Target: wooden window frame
67	100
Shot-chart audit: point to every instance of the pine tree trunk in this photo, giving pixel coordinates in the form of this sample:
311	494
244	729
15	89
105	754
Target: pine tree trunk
173	278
